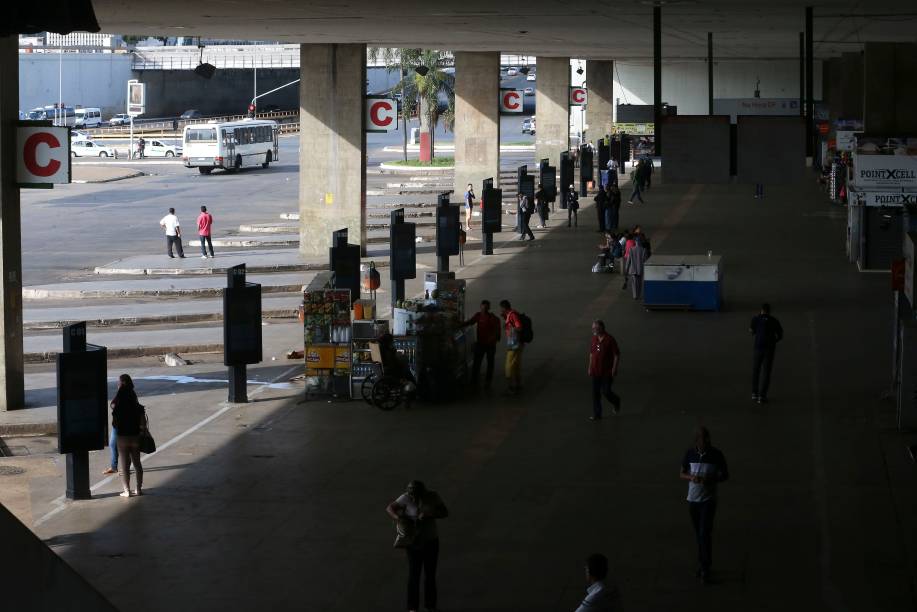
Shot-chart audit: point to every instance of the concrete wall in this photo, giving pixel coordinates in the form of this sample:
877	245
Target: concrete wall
552	108
36	579
889	88
88	79
600	108
332	158
696	149
477	120
771	150
684	82
843	86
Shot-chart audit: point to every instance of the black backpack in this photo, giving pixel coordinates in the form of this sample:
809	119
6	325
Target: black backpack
526	333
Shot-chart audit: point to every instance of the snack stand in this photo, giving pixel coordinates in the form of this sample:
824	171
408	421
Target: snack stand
327	335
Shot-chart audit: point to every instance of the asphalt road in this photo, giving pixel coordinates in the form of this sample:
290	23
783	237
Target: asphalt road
69	230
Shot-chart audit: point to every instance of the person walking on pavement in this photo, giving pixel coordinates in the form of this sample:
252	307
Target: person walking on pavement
512	331
767	332
638	177
420	508
541	205
488	334
604	357
704	467
525	215
612	166
600	595
572	207
634	258
173	233
601	201
469	206
129	418
612	207
204	223
141	147
648	168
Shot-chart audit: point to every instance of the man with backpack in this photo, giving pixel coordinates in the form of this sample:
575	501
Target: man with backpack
524	215
518	332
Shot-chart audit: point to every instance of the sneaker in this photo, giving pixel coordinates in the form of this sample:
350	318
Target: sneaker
203	257
138	492
125	493
595	418
629	202
754	397
762	399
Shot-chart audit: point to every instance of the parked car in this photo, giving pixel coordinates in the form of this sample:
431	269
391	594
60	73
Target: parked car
512	71
529	91
530	76
88	117
527	126
88	148
80	135
120	119
157	148
191	114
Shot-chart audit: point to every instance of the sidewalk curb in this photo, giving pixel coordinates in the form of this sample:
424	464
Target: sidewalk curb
48	428
139	351
279	313
69	294
415	169
136	174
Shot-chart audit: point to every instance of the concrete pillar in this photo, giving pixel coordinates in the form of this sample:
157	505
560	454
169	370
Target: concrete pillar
552	108
889	89
600	102
477	119
332	156
12	374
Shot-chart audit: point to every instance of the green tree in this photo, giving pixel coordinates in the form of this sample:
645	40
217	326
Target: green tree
424	82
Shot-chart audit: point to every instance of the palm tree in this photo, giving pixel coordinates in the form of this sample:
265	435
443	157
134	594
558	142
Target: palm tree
424	83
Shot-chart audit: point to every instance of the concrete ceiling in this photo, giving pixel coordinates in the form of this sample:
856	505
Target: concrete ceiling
610	29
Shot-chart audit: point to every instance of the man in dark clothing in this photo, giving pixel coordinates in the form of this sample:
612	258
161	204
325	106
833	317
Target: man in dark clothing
767	332
572	207
601	202
604	357
488	334
613	210
704	467
541	205
524	215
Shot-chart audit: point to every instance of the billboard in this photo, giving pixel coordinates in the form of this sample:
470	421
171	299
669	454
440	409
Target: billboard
42	154
511	100
381	115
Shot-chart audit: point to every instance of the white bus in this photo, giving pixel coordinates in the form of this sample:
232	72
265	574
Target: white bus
231	146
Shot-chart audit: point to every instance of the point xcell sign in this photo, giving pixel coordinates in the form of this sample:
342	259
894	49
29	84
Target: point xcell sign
577	96
42	155
381	115
511	100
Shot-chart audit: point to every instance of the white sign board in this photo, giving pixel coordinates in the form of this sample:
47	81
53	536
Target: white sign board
886	198
511	100
136	98
884	171
381	115
577	96
846	140
755	106
42	155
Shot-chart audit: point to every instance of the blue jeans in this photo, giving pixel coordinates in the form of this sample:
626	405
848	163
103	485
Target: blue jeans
636	193
113	448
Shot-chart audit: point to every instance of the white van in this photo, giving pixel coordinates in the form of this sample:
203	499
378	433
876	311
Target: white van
88	117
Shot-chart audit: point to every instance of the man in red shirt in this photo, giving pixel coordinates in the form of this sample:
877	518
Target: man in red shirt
488	334
512	328
604	357
204	222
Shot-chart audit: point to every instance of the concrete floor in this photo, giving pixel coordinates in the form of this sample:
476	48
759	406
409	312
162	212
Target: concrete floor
279	504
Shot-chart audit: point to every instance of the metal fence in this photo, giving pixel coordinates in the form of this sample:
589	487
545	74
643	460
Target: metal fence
164	126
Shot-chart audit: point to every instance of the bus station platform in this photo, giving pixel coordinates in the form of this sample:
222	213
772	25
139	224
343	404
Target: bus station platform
279	504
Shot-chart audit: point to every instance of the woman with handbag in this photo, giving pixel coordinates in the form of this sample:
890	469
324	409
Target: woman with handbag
415	513
129	418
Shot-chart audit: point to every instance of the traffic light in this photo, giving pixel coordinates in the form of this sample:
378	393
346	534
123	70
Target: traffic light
251	111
